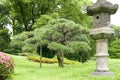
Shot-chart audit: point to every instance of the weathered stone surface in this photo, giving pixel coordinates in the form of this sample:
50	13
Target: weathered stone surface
101	20
102	33
108	73
102	6
102	55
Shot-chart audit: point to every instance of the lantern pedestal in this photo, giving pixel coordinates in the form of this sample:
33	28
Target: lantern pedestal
102	58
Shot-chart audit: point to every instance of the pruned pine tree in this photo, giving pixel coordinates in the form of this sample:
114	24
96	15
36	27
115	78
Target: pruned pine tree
63	34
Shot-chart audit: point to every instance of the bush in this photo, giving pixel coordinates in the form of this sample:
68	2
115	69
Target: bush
6	66
36	58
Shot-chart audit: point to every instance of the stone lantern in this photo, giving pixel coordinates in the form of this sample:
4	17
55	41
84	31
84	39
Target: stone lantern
101	32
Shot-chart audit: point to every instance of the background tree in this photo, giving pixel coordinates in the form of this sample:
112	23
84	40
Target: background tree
18	43
75	10
114	49
4	32
24	13
43	20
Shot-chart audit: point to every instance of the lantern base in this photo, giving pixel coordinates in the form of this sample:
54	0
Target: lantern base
108	73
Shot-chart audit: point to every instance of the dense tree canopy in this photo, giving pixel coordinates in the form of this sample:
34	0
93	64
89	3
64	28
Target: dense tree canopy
22	14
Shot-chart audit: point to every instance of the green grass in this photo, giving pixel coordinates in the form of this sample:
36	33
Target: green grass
28	70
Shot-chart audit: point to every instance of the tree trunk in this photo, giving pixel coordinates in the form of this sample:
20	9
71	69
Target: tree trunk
60	59
33	15
22	14
40	56
62	62
3	78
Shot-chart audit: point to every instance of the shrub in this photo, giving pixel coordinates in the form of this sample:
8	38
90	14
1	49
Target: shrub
6	66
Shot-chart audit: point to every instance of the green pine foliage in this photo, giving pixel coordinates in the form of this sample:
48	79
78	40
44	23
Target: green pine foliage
18	42
68	37
114	48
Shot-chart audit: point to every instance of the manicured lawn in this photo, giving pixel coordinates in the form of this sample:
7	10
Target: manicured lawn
28	70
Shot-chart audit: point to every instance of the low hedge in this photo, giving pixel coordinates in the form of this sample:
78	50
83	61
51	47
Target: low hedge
36	58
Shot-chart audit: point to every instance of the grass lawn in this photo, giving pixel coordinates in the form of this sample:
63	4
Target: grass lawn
28	70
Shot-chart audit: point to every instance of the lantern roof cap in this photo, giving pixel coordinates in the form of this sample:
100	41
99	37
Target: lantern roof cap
102	6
